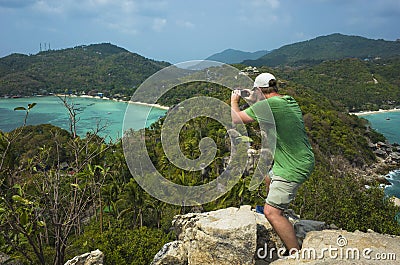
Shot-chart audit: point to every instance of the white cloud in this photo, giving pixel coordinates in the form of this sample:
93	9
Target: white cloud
264	3
255	12
159	24
185	24
50	7
125	16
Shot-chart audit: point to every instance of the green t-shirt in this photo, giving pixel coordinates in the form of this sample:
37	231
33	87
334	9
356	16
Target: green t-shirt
294	158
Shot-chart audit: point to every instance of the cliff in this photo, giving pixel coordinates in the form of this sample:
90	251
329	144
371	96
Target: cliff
242	236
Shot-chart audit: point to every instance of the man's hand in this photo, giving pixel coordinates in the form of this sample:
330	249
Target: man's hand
235	96
237	115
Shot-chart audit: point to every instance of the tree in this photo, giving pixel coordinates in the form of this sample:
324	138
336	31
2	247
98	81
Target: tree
46	204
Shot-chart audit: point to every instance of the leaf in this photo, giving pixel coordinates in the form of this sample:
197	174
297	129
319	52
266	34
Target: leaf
30	106
19	108
75	185
18	198
19	188
29	228
23	218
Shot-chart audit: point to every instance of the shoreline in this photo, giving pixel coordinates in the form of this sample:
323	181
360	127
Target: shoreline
369	112
120	100
148	104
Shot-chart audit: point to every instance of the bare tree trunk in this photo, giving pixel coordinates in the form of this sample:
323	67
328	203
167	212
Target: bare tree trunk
101	216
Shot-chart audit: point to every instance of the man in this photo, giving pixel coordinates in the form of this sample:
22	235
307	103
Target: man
293	158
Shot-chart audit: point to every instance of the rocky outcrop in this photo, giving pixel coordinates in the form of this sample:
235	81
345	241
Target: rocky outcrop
226	236
342	247
241	236
93	258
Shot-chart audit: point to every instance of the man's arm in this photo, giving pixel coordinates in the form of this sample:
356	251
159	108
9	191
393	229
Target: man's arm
237	115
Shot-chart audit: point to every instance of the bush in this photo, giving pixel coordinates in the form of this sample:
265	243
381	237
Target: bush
122	246
345	202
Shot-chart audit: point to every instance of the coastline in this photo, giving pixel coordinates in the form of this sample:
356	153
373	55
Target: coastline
120	100
368	112
148	104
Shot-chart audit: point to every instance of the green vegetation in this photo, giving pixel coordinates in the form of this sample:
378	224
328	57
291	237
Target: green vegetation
231	56
61	195
332	47
100	68
101	206
352	83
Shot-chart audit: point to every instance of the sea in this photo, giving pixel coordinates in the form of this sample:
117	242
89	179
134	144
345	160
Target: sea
92	113
388	123
109	115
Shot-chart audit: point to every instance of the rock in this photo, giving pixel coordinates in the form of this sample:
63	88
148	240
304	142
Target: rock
342	247
93	258
242	236
380	152
396	201
395	156
226	236
171	253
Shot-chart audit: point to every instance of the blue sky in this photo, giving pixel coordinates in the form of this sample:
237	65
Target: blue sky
179	30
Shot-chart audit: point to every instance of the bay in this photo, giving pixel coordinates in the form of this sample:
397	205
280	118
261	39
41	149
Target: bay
388	123
93	113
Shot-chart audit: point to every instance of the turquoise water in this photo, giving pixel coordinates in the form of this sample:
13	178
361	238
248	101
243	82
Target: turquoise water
107	114
388	123
394	189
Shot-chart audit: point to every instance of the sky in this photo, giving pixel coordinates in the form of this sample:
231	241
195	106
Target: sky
177	30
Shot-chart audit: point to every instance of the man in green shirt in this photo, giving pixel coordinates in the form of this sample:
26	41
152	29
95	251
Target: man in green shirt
293	158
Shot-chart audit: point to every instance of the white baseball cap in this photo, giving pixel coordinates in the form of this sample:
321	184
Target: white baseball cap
262	80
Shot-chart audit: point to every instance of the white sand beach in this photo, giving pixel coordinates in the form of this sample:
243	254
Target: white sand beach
362	113
130	102
150	105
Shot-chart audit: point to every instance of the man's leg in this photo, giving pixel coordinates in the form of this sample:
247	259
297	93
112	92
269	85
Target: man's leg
267	183
282	226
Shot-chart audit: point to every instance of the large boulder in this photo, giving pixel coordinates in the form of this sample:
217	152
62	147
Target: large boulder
227	236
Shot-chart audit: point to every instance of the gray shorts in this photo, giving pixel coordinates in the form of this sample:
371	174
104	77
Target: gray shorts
281	192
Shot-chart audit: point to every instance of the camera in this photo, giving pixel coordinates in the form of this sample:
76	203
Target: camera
244	93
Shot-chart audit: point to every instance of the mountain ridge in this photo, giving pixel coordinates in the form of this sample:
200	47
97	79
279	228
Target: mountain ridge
103	66
330	47
233	56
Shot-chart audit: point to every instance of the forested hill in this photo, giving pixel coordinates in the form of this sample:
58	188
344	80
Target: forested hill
232	56
103	67
331	47
356	84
